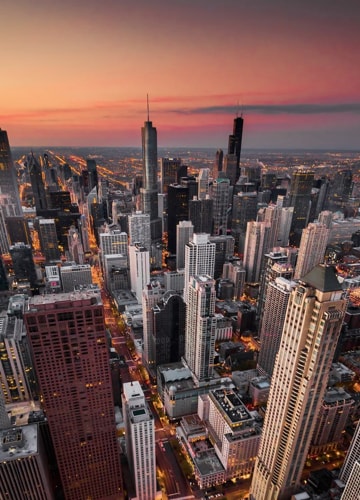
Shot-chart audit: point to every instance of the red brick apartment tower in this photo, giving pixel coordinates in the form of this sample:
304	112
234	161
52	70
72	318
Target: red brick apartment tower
70	354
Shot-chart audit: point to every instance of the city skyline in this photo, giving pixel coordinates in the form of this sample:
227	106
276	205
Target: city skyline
80	75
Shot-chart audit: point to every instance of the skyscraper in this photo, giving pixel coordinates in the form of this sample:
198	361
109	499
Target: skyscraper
24	468
256	245
139	260
140	440
8	182
201	214
312	324
220	195
151	294
184	234
170	170
178	210
273	316
235	141
149	191
300	198
200	329
199	258
352	460
139	229
37	183
48	239
70	354
312	248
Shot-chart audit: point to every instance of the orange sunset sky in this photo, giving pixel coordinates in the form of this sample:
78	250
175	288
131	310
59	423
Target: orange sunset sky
76	72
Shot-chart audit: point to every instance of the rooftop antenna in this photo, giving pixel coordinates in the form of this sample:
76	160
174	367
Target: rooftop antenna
147	103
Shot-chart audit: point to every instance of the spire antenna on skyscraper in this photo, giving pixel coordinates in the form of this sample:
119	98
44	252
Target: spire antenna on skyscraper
147	105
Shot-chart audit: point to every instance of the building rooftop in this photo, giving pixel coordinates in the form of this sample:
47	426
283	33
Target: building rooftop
19	442
69	298
231	405
323	278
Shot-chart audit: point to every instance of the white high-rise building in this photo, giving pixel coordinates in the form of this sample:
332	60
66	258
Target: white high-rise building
351	464
140	440
184	234
256	245
285	225
139	258
311	329
203	183
114	242
200	330
312	248
199	258
139	229
272	215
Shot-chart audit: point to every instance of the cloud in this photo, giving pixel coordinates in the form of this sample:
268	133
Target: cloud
274	109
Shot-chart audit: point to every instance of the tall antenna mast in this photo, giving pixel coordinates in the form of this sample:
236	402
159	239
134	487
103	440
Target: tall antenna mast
147	103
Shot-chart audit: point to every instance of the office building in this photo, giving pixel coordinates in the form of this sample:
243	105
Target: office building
231	168
224	250
139	229
4	237
53	279
312	248
70	353
235	272
300	198
116	275
203	183
140	440
168	339
244	210
235	141
139	261
201	214
352	459
171	171
17	379
277	263
234	431
272	322
23	264
48	239
73	275
178	210
37	183
272	215
336	408
18	230
199	258
285	226
200	330
218	163
75	246
352	487
151	295
312	325
24	467
113	241
149	191
184	234
256	246
8	181
220	193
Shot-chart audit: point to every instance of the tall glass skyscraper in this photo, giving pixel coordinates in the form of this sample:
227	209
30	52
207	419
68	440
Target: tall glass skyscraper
8	182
